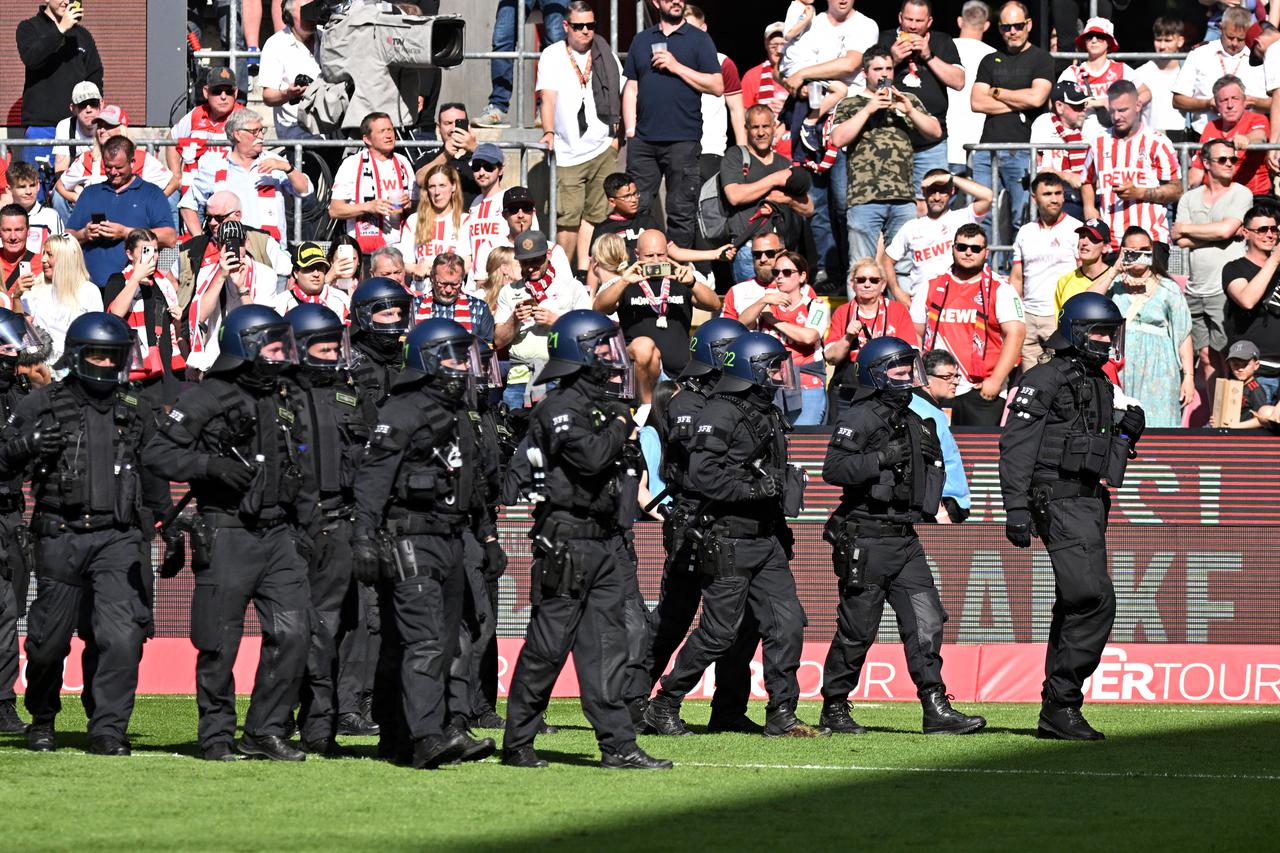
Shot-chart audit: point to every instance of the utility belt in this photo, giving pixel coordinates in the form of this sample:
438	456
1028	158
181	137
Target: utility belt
396	553
558	528
558	568
1043	493
216	518
336	508
49	521
873	528
744	528
850	552
717	550
682	530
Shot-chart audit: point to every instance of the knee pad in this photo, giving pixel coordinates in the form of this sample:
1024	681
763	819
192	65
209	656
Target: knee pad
926	607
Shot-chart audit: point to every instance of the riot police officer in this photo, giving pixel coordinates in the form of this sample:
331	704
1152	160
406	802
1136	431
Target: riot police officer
18	339
738	463
337	425
1065	443
82	438
681	590
381	315
236	439
888	461
578	440
416	484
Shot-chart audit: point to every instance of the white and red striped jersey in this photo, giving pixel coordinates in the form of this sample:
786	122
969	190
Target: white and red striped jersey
1143	159
486	230
198	132
444	238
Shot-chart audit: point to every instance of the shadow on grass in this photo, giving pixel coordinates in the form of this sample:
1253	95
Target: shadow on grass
1133	791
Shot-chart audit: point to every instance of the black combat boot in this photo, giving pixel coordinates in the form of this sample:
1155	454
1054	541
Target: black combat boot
433	750
220	751
522	756
326	748
357	725
835	716
941	719
733	723
108	745
662	716
1059	723
636	708
633	759
473	749
40	737
271	747
10	722
783	722
488	719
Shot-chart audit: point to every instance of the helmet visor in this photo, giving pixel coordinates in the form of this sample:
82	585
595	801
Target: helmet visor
107	363
18	338
327	350
776	370
1102	341
392	315
490	370
610	350
901	371
271	344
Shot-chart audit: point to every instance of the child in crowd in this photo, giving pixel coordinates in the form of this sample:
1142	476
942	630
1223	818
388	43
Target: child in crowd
24	187
810	106
1158	77
1256	410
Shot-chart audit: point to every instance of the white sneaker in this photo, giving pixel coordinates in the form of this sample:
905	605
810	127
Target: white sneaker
491	117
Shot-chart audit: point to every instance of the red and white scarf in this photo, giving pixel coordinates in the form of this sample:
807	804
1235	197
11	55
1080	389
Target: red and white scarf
137	320
268	195
372	229
199	140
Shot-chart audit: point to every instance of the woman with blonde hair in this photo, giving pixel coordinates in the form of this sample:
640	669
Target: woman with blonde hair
63	292
439	224
609	257
501	269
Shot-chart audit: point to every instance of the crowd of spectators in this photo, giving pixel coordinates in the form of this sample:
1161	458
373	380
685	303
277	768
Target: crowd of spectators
823	195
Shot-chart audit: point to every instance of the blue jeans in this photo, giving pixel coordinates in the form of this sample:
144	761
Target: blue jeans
927	159
829	194
813	407
868	221
242	65
1271	384
744	268
513	395
1013	168
504	39
38	153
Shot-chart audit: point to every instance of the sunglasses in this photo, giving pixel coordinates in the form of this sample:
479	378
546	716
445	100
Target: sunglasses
1224	161
867	279
946	377
225	91
786	273
585	25
95	103
483	166
522	207
1016	26
972	248
768	254
1265	229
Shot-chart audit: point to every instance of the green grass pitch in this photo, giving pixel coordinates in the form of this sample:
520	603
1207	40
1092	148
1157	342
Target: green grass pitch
1167	778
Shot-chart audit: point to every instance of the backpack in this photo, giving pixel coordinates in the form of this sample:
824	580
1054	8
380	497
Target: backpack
713	208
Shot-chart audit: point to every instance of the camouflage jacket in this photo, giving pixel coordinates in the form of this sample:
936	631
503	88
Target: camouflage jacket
880	158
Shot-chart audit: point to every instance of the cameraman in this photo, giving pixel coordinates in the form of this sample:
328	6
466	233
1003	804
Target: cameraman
654	299
1253	296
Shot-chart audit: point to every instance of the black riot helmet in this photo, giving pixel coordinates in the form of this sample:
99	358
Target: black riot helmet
707	344
376	295
255	335
490	376
756	360
1093	326
100	350
19	341
314	324
587	343
889	363
446	353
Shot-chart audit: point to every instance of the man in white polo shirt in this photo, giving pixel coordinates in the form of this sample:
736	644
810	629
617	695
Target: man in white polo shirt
1043	252
1193	90
926	240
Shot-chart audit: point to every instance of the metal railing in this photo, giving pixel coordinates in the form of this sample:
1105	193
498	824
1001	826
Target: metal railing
298	146
519	56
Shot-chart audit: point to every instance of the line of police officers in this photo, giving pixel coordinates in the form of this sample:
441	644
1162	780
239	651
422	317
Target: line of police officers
343	476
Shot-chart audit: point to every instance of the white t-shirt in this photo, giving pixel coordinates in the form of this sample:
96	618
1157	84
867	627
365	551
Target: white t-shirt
556	73
963	124
355	182
1271	69
1046	255
826	40
54	317
927	242
79	176
283	59
565	293
1205	65
44	222
1160	112
69	128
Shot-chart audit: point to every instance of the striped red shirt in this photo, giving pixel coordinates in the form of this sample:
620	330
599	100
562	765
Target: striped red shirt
1143	159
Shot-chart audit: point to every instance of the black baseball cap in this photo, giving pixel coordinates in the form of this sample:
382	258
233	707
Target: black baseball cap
516	196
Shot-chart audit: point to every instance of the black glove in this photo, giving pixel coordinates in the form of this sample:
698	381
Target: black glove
767	486
230	472
1132	424
365	566
495	561
1017	528
954	511
894	452
619	409
47	442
